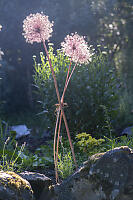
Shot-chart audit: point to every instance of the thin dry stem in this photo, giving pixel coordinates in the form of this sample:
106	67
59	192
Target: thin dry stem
69	79
56	126
62	99
58	96
58	138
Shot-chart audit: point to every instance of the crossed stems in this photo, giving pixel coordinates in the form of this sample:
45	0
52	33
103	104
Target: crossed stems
60	109
59	121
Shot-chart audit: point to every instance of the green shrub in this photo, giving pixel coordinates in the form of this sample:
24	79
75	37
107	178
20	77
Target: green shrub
118	142
89	144
92	85
65	164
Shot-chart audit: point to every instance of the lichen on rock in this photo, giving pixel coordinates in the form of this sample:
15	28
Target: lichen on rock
13	187
105	176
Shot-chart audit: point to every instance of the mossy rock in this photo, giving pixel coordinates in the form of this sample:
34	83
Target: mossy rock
14	187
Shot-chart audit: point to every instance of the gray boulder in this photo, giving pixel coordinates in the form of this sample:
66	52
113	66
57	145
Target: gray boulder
14	187
40	184
128	131
105	176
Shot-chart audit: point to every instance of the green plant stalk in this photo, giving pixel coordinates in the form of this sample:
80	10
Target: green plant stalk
1	131
108	122
3	153
58	96
22	148
13	153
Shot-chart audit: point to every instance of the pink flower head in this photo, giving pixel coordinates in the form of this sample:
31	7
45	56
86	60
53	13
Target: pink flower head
37	28
76	48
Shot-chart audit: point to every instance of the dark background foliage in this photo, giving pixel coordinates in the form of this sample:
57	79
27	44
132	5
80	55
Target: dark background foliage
109	23
92	86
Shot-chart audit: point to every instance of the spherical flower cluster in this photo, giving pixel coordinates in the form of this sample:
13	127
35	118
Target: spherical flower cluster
37	28
76	48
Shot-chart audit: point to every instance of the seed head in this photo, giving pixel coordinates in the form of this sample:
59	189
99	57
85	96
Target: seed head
37	27
76	48
7	140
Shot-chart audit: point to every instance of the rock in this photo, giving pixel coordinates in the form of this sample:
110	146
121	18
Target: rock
21	130
39	183
14	187
105	176
128	131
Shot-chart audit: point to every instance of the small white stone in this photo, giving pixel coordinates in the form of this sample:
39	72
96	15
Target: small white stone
21	130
